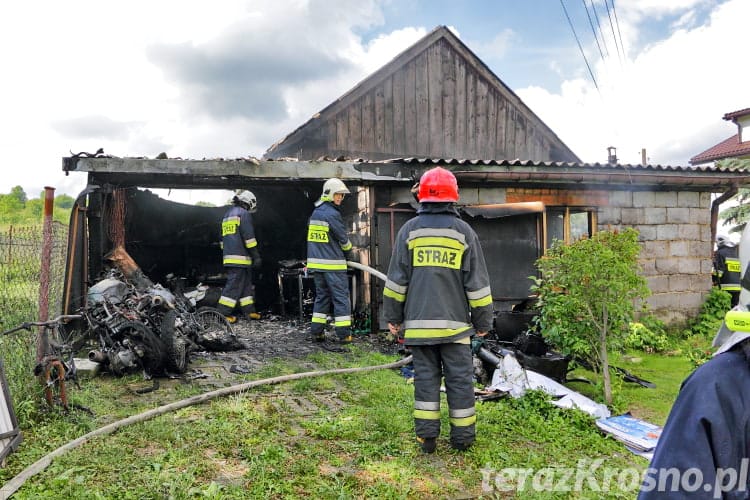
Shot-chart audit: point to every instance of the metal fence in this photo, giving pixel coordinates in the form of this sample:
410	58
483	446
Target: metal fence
20	276
20	265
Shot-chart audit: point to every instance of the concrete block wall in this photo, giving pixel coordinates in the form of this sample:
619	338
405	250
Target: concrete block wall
675	236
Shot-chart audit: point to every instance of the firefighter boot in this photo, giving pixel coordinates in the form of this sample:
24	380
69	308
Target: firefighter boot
427	445
253	316
461	445
231	319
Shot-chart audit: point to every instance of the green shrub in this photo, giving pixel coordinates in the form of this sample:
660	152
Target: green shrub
646	339
711	315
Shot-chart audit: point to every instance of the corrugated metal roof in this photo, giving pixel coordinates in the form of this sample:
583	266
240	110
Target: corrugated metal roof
529	163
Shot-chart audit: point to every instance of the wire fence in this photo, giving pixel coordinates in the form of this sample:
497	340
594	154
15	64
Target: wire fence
20	276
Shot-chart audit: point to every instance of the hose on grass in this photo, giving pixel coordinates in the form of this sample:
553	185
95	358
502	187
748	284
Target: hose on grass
15	483
12	486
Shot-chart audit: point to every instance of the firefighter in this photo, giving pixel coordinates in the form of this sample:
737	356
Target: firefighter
727	267
437	295
328	249
241	256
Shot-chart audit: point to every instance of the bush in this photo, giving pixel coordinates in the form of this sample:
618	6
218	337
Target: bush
643	338
586	296
711	315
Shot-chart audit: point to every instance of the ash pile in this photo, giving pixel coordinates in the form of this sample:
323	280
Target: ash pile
131	324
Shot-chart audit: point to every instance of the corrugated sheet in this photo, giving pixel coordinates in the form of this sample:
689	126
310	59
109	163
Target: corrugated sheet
528	163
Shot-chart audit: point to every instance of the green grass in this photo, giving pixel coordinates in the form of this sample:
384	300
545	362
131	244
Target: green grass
259	445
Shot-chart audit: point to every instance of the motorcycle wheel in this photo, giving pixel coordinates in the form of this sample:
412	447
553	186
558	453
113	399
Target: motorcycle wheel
176	345
154	350
210	318
215	333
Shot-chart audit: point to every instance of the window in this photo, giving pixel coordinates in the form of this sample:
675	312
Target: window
569	224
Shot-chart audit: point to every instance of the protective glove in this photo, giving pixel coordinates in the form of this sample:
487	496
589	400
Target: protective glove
397	332
352	257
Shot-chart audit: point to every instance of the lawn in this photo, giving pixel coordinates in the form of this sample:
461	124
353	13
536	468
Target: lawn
344	436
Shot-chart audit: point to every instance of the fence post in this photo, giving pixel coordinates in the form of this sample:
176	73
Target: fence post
10	245
49	202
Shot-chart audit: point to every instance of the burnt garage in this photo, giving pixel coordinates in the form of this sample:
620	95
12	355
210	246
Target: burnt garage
173	242
517	207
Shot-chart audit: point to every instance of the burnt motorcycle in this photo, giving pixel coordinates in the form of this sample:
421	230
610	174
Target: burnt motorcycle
153	329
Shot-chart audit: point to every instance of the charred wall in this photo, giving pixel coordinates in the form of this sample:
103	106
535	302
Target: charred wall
167	238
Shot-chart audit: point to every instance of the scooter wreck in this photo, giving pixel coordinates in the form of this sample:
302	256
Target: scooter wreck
142	325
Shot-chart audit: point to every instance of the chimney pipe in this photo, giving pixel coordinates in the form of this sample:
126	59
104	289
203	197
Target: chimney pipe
612	155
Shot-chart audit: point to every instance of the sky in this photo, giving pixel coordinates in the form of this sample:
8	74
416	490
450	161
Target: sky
228	79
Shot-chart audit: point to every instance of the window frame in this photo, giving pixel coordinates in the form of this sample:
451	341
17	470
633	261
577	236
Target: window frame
566	212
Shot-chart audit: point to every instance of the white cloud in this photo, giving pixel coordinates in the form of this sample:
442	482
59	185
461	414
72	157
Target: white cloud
669	98
81	78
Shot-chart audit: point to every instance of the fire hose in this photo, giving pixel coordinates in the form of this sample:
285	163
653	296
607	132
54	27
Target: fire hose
16	482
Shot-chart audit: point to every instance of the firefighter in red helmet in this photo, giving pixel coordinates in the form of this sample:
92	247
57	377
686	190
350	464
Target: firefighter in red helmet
438	293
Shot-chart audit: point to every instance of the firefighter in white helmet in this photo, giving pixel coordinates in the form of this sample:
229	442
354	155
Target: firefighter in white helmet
328	249
241	255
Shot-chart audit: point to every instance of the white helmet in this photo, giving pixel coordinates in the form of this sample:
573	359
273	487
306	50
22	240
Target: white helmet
248	199
723	240
333	186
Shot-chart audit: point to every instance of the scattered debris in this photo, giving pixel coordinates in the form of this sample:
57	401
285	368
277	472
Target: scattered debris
639	436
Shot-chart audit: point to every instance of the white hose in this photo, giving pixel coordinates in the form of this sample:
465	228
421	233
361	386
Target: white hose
12	486
367	269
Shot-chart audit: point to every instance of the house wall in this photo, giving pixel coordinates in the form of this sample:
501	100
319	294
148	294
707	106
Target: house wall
674	233
437	105
676	246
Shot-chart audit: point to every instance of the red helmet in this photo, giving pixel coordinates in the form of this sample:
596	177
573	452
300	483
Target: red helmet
438	185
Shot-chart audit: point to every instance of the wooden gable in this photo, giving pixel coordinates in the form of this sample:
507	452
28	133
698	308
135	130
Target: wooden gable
436	99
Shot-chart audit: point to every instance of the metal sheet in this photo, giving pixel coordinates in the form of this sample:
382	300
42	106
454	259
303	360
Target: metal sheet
11	434
503	209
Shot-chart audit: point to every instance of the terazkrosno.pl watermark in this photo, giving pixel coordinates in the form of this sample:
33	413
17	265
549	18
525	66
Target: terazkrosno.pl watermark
589	475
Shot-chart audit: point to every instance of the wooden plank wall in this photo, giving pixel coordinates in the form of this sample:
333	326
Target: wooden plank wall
435	106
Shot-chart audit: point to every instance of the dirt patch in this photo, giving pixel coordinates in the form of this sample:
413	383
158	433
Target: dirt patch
268	339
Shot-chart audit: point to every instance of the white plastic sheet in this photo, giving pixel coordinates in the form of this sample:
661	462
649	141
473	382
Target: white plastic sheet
511	377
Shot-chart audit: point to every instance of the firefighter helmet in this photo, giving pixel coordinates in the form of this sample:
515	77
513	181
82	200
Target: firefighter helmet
334	186
438	185
723	240
248	199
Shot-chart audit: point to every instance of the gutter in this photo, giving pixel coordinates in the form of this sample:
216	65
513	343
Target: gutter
715	209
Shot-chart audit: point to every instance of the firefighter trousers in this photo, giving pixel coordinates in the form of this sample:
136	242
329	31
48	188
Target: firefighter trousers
238	290
331	287
432	363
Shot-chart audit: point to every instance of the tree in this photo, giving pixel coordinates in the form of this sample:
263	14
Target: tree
11	209
587	293
18	193
64	201
736	215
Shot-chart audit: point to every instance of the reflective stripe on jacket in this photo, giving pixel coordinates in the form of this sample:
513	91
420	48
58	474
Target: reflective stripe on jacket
237	237
727	267
327	239
438	287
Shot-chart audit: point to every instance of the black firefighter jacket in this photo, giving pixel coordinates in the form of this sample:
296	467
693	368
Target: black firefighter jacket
238	238
438	287
327	241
